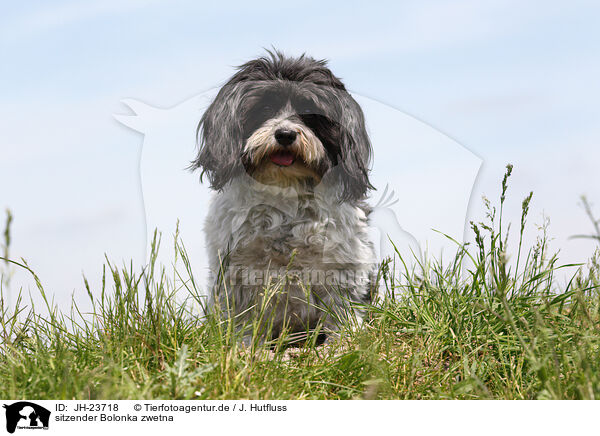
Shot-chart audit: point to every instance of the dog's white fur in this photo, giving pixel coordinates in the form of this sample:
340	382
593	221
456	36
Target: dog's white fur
267	228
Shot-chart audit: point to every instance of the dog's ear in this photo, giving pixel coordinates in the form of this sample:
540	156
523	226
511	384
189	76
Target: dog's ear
355	151
220	136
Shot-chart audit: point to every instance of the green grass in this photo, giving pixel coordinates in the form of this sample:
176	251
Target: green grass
477	327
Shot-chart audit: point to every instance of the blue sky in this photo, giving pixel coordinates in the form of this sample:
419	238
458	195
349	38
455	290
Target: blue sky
511	81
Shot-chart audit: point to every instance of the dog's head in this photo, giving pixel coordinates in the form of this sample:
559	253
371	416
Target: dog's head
285	120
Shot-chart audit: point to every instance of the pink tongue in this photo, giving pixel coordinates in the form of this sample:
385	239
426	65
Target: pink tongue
282	158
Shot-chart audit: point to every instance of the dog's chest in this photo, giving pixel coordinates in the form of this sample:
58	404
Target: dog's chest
269	235
305	231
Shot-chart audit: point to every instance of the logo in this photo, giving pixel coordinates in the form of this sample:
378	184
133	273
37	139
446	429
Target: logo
423	178
26	415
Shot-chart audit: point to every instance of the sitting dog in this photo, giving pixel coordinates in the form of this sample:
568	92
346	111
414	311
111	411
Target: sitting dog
285	148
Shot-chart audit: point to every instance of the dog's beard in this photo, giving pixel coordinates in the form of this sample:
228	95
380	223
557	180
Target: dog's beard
270	163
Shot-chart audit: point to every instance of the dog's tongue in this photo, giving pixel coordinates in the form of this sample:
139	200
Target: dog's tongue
283	158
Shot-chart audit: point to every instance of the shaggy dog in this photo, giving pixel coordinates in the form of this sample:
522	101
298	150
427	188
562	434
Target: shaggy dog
285	148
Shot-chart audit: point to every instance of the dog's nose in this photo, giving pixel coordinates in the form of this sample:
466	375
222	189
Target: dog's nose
285	137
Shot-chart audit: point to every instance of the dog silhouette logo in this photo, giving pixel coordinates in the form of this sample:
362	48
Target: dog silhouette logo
26	415
424	180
